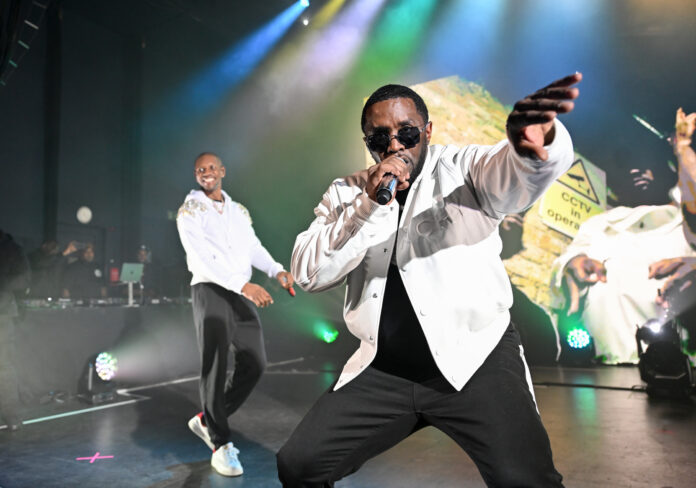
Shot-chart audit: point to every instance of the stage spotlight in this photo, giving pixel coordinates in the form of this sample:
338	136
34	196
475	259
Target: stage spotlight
106	366
578	348
305	21
304	3
578	338
95	385
325	332
663	366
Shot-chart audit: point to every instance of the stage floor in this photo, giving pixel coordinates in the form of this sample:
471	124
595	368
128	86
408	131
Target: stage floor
602	436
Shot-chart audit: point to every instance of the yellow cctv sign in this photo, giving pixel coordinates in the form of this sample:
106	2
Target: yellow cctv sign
576	196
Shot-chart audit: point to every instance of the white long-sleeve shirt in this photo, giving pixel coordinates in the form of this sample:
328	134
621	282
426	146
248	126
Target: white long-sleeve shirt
447	249
222	247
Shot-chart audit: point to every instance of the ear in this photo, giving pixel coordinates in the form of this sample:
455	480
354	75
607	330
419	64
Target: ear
223	171
428	131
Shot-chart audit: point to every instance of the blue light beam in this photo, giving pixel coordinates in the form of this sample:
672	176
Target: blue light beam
239	62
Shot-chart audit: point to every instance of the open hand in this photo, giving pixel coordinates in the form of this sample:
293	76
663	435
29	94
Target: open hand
530	124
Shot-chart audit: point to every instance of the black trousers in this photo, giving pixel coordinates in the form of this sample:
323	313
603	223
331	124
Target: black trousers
493	418
223	319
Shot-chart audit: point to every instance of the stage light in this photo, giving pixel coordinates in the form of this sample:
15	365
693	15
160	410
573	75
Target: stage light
304	3
663	366
654	325
325	332
578	338
106	366
95	384
577	345
305	21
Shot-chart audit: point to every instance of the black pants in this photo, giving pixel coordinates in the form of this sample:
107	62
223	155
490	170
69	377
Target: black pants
224	318
494	419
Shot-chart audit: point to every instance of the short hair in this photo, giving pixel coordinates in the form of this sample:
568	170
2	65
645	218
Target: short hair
206	153
388	92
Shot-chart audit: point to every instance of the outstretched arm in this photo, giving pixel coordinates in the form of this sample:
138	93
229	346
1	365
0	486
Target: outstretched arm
511	175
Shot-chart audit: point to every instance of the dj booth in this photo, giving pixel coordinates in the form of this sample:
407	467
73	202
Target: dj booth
152	342
55	341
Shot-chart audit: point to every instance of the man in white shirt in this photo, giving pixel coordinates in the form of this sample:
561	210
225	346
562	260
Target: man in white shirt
625	263
221	247
427	294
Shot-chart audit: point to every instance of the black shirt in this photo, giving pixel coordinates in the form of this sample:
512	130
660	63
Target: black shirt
14	274
402	349
83	280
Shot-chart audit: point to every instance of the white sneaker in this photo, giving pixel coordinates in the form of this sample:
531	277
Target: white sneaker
225	460
200	430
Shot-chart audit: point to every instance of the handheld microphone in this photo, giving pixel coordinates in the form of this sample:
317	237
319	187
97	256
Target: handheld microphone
385	191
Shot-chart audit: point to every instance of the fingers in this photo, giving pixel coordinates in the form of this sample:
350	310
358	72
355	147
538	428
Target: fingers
285	279
257	294
663	268
573	295
393	165
596	271
530	124
522	118
566	80
587	271
263	299
666	288
545	104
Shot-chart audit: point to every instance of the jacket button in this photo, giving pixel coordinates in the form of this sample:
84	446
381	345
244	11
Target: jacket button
372	339
423	312
374	295
385	249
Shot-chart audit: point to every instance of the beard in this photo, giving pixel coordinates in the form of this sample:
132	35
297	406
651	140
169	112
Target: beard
418	167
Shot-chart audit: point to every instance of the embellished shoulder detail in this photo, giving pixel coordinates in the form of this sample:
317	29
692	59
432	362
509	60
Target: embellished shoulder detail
190	207
244	211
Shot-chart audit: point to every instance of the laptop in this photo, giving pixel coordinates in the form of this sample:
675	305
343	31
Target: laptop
131	272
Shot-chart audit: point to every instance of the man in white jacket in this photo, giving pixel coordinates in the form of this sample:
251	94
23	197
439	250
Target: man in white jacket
221	247
630	265
427	293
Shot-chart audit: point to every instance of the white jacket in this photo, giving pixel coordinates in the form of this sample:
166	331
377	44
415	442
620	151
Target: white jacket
447	249
221	248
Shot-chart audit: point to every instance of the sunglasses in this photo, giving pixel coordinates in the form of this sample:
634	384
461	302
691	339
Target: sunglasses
408	136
